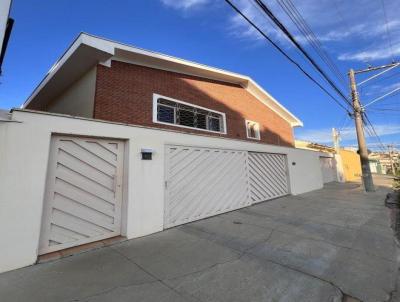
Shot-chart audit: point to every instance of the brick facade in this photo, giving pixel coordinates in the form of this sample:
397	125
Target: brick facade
124	93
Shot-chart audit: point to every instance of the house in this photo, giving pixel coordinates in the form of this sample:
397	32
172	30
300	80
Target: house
384	162
348	161
124	84
121	141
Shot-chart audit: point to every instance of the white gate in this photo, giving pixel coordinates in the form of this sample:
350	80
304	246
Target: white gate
328	169
201	182
267	176
83	192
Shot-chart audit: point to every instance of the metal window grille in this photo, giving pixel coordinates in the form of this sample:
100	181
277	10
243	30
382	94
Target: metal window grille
188	116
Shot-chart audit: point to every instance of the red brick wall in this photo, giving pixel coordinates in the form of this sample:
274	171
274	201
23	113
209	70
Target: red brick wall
124	93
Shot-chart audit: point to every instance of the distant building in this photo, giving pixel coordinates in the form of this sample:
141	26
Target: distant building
381	162
351	165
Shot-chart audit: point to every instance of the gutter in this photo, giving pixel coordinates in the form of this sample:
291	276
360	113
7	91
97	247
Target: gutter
7	34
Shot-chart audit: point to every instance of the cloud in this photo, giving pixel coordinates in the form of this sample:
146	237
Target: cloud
324	136
370	55
184	4
240	28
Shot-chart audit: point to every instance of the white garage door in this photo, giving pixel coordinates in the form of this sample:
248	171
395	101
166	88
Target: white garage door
83	192
328	169
267	176
202	182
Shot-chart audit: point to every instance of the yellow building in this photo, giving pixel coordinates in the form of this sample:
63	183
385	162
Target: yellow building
350	159
351	165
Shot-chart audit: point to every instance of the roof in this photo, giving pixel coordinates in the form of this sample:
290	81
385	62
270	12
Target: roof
87	51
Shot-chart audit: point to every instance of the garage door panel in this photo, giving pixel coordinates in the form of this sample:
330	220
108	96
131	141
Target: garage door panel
218	189
267	176
83	192
206	185
271	165
202	182
204	179
200	171
263	179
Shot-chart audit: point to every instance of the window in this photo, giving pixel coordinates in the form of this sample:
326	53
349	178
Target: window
253	130
170	111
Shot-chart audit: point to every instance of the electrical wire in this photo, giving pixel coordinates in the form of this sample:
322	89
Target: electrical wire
293	13
387	29
368	121
270	14
235	8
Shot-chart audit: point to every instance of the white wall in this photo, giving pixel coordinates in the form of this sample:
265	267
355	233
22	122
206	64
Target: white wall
78	99
24	151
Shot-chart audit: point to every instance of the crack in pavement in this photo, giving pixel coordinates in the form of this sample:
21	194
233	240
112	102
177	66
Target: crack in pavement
155	277
272	230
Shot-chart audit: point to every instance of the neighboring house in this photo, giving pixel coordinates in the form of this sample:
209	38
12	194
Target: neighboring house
121	141
376	167
384	162
6	24
350	160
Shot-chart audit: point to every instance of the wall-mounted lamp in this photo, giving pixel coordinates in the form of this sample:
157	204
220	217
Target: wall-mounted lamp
147	153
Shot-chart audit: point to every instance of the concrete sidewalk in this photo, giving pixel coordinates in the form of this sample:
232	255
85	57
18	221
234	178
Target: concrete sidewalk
312	247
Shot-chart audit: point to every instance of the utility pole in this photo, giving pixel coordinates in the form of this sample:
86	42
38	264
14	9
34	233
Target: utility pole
362	147
338	157
390	147
358	112
335	135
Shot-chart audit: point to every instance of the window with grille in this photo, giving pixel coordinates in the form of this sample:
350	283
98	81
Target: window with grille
185	115
253	130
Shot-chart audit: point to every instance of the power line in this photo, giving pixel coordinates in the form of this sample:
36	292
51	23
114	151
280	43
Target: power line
389	38
373	130
286	55
289	8
269	13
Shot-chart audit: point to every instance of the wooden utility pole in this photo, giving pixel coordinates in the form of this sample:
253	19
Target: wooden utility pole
362	147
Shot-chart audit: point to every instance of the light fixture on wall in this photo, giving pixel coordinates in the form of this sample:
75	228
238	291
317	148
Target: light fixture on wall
147	153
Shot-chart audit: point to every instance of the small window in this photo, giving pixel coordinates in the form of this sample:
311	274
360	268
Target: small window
186	115
253	130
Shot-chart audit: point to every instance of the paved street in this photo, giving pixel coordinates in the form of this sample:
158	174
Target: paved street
312	247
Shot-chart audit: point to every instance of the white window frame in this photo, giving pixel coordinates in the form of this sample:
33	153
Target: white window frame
258	136
155	103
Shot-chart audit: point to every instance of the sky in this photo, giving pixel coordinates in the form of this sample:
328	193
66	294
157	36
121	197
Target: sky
355	34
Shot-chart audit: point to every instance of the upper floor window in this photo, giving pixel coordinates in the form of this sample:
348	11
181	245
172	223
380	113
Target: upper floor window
182	114
253	130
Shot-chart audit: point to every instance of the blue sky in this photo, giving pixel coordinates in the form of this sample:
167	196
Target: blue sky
354	33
